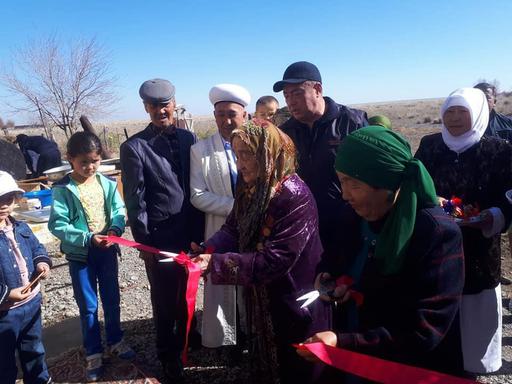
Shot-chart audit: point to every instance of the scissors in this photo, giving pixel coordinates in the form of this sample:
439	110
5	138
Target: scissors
168	257
327	288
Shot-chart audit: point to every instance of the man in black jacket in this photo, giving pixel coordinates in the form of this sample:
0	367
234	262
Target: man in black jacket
40	153
499	126
155	172
317	127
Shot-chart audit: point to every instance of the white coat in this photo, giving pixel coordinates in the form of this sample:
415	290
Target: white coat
210	192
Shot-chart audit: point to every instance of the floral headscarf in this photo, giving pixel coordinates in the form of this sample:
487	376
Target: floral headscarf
275	154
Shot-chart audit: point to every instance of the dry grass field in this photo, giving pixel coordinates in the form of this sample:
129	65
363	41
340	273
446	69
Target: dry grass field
412	118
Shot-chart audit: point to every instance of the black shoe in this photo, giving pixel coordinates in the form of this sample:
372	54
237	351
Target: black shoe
173	371
194	341
235	355
505	281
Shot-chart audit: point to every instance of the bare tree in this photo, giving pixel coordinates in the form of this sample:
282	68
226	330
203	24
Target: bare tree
59	82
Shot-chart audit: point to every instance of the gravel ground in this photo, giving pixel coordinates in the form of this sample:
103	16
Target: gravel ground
204	365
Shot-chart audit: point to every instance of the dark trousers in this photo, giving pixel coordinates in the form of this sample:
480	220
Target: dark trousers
20	329
168	287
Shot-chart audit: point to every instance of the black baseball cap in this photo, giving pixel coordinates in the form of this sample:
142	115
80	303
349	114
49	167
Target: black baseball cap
297	73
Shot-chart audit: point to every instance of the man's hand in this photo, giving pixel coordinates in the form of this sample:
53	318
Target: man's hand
326	337
43	267
15	295
146	256
196	249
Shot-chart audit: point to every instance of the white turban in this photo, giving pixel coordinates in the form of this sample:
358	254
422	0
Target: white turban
475	101
230	92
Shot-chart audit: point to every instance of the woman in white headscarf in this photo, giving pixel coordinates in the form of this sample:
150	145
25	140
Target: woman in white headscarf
477	169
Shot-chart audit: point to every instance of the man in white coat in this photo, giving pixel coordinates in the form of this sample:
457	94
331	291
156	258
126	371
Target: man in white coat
213	177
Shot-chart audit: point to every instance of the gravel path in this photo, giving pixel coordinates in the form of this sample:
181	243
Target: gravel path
204	366
59	307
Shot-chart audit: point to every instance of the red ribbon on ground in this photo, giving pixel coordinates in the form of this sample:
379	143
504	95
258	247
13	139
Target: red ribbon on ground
193	275
376	369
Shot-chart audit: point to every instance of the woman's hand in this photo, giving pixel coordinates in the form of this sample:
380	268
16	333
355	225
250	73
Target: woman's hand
340	293
442	201
485	222
322	276
15	294
203	261
326	337
45	268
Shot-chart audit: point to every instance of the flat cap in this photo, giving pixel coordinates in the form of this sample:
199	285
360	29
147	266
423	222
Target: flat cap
230	92
297	73
157	91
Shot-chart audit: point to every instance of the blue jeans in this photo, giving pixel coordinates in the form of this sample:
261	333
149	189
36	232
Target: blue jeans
20	328
100	270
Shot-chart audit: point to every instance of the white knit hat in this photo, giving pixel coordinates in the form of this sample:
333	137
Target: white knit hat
7	184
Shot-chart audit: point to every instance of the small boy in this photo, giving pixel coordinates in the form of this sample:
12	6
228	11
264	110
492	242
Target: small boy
266	108
22	258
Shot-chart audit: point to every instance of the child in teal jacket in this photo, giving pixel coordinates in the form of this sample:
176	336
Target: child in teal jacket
86	209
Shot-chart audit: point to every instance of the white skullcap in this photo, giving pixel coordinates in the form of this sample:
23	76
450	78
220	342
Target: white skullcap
230	92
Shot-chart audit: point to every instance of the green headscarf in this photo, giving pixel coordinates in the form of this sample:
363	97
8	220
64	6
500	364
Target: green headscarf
382	159
381	120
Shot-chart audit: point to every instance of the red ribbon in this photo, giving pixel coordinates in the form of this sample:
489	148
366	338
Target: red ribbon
132	244
193	275
376	369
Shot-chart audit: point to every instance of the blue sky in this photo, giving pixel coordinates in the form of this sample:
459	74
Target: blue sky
366	51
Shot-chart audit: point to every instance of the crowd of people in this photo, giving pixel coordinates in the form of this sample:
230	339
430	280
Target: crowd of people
330	198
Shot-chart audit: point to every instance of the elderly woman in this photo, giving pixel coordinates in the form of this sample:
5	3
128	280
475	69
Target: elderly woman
270	244
477	169
403	253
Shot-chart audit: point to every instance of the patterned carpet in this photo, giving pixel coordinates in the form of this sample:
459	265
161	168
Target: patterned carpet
70	368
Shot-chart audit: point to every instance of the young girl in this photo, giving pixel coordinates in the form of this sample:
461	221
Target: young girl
86	207
22	257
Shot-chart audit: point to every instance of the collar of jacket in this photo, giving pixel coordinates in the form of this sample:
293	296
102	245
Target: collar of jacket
66	183
171	130
14	222
330	113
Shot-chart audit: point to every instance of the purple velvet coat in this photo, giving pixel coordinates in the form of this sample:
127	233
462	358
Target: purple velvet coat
285	266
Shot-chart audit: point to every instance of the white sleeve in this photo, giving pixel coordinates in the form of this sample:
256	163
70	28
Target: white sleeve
498	222
200	196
